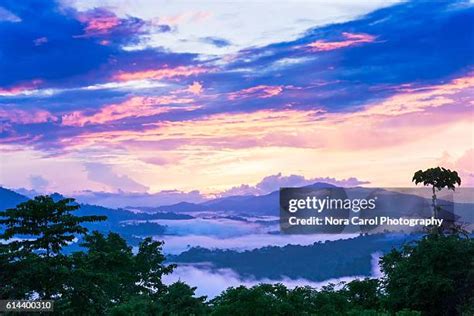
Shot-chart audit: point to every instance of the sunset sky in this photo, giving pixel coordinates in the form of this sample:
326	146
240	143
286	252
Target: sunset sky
210	97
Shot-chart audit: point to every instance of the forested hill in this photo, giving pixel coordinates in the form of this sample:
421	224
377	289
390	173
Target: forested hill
116	218
317	262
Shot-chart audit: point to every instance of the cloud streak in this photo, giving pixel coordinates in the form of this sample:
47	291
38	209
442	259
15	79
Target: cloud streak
261	92
133	107
350	39
158	74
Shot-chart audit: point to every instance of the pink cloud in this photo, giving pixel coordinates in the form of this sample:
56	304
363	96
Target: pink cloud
133	107
201	16
195	88
260	92
464	165
421	99
163	73
196	17
242	130
26	117
466	161
171	19
350	39
99	23
394	120
163	160
23	88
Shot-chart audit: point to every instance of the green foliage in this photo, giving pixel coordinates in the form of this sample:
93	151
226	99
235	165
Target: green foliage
48	225
92	282
137	306
328	301
149	266
365	294
406	312
438	178
275	299
179	300
22	274
33	263
434	276
263	299
109	274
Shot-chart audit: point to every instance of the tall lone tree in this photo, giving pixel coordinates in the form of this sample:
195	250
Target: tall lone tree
438	178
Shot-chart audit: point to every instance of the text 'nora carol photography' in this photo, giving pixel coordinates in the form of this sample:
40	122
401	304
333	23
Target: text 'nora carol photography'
333	210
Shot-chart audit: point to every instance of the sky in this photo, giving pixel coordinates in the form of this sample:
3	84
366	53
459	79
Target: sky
183	100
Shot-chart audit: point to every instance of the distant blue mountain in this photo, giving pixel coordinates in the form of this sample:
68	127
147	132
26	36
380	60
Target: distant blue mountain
267	204
242	204
115	217
9	199
183	207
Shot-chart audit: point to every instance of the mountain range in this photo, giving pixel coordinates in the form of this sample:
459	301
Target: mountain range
251	205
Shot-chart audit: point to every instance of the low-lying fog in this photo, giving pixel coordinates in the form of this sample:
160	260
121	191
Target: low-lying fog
236	233
245	233
211	282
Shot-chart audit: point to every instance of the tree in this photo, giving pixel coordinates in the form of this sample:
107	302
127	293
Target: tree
180	300
47	226
109	276
149	267
434	275
438	178
364	294
277	299
329	301
136	306
100	276
262	299
35	232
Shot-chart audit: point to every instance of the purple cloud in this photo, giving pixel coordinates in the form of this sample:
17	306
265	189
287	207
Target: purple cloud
277	181
104	174
38	183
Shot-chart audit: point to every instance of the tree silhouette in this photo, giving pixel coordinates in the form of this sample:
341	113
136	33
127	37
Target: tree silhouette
433	275
438	178
109	274
36	231
45	224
